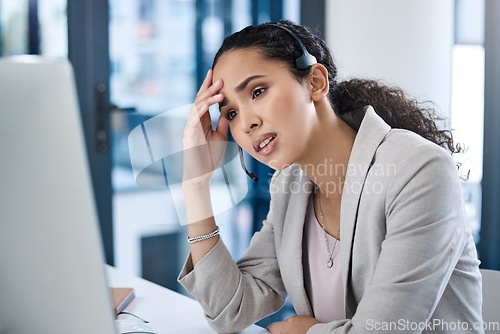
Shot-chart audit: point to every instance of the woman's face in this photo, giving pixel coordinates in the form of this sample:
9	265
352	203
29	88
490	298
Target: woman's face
271	114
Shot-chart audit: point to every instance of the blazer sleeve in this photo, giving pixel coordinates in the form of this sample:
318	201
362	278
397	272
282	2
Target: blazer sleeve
425	237
234	295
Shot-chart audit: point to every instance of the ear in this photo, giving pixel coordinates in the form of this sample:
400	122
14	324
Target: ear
318	82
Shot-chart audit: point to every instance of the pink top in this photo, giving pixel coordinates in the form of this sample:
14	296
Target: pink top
323	285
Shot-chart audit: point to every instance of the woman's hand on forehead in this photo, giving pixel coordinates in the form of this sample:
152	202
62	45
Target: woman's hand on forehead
203	146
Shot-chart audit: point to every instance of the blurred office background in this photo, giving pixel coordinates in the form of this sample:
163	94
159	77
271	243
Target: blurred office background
135	59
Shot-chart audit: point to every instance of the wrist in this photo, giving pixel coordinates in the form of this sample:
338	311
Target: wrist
197	202
192	187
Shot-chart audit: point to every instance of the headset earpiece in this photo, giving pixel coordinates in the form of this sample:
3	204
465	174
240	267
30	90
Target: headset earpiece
306	60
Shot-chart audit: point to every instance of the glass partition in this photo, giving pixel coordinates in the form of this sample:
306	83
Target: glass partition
13	27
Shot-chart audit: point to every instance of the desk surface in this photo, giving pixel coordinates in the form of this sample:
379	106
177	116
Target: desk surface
167	311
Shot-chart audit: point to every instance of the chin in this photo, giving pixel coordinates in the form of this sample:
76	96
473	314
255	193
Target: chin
278	164
276	161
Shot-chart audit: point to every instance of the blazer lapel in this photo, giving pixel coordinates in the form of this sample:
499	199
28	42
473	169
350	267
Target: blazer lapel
371	133
291	248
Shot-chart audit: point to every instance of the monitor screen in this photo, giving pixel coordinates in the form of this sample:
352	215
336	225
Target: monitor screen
52	277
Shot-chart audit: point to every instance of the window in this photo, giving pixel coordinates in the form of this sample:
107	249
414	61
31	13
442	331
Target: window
468	102
33	27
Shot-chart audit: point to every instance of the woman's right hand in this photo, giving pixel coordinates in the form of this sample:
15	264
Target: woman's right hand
203	146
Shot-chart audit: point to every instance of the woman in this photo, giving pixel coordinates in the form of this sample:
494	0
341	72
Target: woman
366	230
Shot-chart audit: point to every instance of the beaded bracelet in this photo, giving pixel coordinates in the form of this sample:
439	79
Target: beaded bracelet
204	237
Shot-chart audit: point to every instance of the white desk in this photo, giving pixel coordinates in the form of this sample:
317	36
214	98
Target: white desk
167	311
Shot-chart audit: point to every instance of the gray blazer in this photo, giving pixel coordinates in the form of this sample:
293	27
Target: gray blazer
409	262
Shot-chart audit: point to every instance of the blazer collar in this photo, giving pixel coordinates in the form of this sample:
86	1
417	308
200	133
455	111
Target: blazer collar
371	133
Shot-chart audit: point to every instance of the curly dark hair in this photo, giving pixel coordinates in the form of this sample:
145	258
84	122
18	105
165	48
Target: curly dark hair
390	103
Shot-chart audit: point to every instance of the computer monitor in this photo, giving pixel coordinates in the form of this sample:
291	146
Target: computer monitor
52	275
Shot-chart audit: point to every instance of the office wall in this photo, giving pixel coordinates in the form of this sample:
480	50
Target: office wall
407	43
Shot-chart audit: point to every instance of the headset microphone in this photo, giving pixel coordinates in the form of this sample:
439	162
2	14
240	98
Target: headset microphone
254	177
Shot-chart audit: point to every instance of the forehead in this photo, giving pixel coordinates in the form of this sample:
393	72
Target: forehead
236	65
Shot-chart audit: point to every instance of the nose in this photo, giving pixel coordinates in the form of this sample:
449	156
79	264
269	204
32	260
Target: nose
249	121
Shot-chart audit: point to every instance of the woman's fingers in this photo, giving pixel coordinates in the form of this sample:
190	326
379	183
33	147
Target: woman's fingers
199	132
201	107
208	80
208	95
208	87
199	116
210	91
206	103
202	111
199	126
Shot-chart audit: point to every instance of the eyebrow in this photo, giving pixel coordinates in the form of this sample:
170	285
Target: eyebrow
245	82
241	87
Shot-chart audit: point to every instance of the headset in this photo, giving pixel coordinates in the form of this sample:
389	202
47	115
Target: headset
254	177
306	60
303	62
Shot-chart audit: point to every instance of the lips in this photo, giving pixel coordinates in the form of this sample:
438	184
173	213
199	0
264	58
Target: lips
263	141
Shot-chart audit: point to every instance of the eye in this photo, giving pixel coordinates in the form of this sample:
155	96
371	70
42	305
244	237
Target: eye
231	115
256	93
